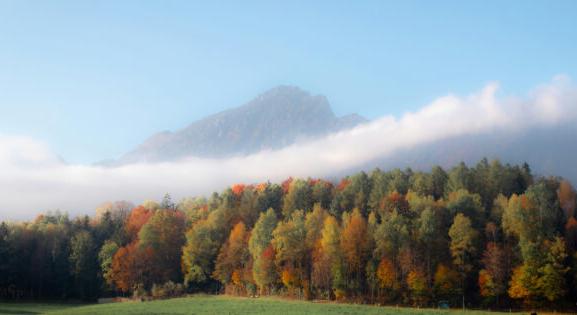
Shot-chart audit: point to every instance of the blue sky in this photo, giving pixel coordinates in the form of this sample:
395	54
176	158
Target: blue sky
93	79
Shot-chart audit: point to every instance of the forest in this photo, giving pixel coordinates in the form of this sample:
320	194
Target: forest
490	235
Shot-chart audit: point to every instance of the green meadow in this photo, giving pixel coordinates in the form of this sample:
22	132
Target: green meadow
206	304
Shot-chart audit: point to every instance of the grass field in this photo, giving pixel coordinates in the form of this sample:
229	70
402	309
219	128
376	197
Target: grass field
34	308
201	304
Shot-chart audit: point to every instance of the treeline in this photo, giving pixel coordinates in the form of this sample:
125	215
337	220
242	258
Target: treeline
491	235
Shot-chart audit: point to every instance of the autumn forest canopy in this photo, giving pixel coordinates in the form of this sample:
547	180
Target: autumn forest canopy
489	235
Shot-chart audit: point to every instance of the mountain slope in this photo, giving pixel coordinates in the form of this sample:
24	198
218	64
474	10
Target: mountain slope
275	119
550	151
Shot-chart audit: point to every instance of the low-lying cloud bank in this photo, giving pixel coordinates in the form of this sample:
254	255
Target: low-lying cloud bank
34	179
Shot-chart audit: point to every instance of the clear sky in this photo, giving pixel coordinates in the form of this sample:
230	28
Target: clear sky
93	79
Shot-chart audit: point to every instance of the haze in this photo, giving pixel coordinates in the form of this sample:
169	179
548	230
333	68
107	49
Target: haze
82	82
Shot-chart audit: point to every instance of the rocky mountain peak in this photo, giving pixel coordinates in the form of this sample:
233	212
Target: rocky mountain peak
272	120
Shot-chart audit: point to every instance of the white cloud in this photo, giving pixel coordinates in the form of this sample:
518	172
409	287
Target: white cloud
33	179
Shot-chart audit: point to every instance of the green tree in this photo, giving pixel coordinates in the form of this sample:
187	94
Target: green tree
399	181
355	247
248	206
417	284
314	222
322	193
327	267
260	240
379	188
164	233
439	180
84	264
430	239
299	197
203	241
105	256
289	242
552	283
463	246
6	254
353	192
422	184
391	235
270	196
470	205
459	178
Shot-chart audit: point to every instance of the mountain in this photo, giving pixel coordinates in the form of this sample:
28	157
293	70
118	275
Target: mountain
285	115
550	151
274	119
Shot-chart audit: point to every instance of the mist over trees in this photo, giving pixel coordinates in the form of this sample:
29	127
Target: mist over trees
492	235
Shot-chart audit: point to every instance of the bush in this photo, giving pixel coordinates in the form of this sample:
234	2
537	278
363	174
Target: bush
139	292
158	292
167	290
340	295
179	290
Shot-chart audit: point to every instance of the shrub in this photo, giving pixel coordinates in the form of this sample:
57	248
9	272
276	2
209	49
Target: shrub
167	290
139	292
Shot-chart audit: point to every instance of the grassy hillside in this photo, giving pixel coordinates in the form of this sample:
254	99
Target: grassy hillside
217	305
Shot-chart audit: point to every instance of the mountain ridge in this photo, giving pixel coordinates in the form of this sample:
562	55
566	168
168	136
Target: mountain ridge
274	119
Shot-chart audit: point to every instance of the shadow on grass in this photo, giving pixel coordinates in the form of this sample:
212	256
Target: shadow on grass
13	311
